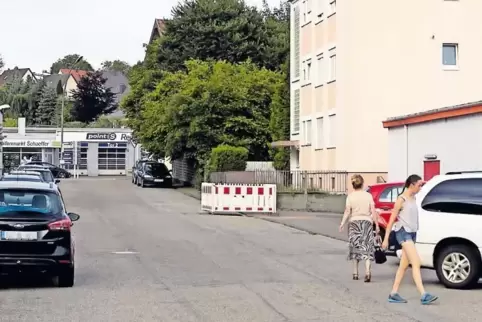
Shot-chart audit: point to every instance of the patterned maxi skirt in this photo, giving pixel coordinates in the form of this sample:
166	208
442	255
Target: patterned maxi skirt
361	240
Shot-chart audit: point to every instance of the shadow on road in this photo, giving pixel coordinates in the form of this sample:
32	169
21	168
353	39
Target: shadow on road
29	281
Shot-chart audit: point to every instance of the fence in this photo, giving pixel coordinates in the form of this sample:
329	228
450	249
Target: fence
235	198
288	181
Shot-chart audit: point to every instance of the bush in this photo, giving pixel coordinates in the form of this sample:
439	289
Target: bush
228	158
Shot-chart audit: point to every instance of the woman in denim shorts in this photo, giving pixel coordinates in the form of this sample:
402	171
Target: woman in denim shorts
406	228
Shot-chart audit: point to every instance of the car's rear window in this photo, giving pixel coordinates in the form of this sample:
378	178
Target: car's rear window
29	201
157	168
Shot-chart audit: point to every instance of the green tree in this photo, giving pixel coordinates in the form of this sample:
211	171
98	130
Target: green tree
68	62
213	103
2	63
17	94
47	107
117	66
35	96
92	99
227	30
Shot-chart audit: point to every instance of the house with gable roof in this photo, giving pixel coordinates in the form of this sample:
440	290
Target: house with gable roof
9	75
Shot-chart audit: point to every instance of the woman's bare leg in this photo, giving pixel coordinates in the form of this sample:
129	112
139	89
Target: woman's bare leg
410	252
400	272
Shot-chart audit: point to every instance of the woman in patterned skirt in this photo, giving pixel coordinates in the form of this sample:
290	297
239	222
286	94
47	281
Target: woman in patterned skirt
360	214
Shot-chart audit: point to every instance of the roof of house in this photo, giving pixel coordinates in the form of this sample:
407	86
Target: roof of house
56	80
118	83
11	74
157	29
76	73
436	114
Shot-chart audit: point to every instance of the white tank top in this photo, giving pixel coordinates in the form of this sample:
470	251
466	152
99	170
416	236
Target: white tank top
408	216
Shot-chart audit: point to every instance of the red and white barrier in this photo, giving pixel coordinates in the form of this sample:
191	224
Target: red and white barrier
237	198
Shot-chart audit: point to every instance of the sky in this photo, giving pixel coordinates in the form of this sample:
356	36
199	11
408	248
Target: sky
35	33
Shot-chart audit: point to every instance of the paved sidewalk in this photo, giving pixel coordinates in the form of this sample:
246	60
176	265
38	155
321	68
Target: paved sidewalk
317	223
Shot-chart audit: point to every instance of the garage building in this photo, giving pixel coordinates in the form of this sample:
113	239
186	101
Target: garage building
435	142
95	151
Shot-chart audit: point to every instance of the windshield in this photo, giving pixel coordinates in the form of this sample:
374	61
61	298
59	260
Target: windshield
158	169
22	178
26	202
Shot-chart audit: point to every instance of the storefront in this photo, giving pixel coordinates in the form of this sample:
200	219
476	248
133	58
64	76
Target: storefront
14	150
93	152
100	152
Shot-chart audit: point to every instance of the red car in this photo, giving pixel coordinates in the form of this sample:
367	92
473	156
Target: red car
385	195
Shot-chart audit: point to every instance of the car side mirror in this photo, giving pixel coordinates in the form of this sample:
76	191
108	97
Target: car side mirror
73	216
57	181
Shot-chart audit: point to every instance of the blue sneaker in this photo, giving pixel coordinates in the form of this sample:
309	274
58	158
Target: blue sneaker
396	298
428	298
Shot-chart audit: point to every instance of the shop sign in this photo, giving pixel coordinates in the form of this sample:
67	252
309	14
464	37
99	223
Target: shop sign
30	143
107	136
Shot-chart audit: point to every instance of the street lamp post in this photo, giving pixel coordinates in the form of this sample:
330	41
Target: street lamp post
63	108
2	108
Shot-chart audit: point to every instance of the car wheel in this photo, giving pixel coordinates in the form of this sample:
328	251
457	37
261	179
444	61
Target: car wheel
66	277
61	175
458	266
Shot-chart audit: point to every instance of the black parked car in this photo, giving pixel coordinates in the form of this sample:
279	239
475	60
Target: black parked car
153	174
35	231
58	172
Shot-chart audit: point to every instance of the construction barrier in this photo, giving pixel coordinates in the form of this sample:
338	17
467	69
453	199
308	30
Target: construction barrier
237	198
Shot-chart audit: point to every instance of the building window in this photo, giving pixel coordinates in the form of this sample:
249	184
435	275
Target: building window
332	7
450	55
320	73
306	11
296	112
307	71
297	42
320	135
332	131
332	65
319	10
320	70
307	132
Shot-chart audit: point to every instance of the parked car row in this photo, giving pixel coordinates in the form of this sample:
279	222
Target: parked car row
35	227
151	173
449	239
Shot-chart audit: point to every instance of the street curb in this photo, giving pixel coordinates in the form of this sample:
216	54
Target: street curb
311	232
188	194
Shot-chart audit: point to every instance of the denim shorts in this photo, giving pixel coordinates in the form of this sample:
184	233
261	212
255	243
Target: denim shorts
402	236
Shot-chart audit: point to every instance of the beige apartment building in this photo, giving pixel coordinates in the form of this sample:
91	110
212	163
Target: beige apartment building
356	63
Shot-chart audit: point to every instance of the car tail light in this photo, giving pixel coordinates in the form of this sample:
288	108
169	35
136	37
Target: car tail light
63	224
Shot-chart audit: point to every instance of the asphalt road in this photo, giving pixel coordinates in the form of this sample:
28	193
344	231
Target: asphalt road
148	255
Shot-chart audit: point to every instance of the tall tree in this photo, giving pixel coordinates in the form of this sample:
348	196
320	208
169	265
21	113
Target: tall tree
35	97
45	115
213	103
92	98
227	30
117	66
2	63
68	62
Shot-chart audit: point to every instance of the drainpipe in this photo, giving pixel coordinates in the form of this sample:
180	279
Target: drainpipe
406	150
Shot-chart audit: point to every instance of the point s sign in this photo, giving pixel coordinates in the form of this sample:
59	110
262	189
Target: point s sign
108	136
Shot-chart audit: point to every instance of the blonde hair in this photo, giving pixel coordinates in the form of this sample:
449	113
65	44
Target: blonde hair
357	181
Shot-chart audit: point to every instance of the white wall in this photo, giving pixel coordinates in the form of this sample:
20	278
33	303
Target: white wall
455	141
389	63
